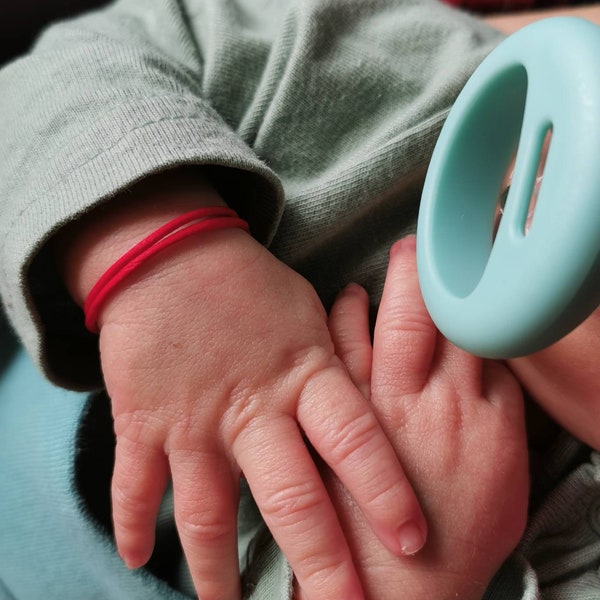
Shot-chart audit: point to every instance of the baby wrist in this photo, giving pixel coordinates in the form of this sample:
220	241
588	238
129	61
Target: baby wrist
189	224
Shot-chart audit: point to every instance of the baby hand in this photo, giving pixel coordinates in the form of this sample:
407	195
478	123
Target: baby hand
456	423
219	363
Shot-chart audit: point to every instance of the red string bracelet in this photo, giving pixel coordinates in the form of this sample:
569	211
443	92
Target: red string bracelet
200	220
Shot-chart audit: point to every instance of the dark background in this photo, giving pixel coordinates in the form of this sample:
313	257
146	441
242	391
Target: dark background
22	20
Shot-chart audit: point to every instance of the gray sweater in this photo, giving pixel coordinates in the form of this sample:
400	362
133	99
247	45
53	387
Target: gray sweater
315	119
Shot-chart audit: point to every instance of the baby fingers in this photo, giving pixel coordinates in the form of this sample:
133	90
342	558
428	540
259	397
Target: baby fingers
349	329
295	505
139	481
206	498
405	336
409	353
342	427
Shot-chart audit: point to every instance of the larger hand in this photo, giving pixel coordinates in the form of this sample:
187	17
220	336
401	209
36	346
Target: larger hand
456	423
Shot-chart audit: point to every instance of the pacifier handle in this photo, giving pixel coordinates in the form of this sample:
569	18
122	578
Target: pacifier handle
513	291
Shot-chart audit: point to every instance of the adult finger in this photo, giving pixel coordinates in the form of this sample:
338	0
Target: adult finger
349	329
405	336
139	480
342	427
295	505
205	495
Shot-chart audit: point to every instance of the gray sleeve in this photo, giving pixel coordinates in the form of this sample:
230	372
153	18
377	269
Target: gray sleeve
516	580
336	102
562	541
101	102
559	553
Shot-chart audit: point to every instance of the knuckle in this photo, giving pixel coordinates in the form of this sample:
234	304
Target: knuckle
403	319
382	497
289	506
130	508
205	526
355	355
244	419
135	426
400	344
324	573
356	436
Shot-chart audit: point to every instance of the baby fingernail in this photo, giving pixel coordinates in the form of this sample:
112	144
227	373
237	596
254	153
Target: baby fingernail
411	537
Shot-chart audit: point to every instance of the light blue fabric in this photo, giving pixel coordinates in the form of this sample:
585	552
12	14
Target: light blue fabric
50	547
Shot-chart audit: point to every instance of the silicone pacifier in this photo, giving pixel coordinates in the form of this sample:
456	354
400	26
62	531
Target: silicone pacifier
502	289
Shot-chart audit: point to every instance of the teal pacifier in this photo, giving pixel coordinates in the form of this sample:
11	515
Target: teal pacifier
509	286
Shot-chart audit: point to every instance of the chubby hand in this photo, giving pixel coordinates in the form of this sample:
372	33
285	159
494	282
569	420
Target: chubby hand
219	364
456	423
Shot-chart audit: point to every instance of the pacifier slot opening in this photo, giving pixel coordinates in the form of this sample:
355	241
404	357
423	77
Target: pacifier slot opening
537	183
538	180
503	195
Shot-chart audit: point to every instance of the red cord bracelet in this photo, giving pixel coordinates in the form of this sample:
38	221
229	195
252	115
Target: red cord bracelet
196	221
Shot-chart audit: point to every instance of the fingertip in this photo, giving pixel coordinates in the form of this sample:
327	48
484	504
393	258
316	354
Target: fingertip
351	291
409	536
403	260
135	559
407	244
352	301
134	547
355	289
139	481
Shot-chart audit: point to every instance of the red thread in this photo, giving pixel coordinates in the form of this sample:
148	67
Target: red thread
196	221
